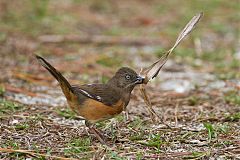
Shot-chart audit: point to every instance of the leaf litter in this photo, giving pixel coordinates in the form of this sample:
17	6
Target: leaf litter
40	125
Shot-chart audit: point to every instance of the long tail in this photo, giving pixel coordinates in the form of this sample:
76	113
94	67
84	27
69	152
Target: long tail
65	86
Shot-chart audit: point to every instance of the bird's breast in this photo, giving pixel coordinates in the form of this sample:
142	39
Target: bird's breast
95	111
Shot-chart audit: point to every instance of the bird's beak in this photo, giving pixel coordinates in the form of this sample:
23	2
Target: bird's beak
139	80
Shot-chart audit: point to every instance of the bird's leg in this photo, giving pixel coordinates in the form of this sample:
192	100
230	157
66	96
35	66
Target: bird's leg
93	130
125	116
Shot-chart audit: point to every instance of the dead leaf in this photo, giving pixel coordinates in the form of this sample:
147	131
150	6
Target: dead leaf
153	70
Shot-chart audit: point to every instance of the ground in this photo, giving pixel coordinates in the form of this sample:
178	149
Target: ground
197	93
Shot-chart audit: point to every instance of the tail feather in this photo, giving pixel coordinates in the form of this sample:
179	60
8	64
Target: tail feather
65	86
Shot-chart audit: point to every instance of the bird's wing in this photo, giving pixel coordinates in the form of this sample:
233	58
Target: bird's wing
99	92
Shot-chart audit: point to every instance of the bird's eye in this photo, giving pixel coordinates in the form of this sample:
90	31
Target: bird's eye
127	77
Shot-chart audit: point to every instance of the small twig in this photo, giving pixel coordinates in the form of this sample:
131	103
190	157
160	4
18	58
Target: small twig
176	114
30	78
99	39
152	113
19	90
33	153
164	155
154	116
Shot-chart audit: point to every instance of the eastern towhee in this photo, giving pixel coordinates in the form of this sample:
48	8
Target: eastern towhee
97	102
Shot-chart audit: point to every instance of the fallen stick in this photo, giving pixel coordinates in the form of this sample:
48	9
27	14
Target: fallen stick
100	40
19	90
34	154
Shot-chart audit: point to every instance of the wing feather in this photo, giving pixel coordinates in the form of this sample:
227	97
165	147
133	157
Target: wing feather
99	92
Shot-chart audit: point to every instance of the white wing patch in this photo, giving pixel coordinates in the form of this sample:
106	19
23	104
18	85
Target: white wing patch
99	98
91	96
86	93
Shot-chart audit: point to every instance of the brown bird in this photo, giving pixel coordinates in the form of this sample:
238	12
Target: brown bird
97	102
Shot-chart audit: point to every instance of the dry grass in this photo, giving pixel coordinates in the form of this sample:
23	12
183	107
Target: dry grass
204	117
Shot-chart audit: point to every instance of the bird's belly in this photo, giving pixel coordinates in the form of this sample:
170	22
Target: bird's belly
95	111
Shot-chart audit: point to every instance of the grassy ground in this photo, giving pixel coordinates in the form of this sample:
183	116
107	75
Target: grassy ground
197	93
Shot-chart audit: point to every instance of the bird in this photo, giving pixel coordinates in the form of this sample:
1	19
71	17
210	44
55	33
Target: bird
99	101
